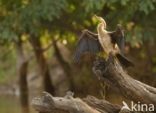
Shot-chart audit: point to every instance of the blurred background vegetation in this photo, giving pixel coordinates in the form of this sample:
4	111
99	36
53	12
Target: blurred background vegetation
38	39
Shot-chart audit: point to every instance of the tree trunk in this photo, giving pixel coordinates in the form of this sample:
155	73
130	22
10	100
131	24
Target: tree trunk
66	67
43	66
22	66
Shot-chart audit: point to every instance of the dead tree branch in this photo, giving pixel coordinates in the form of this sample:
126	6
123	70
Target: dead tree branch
112	73
47	103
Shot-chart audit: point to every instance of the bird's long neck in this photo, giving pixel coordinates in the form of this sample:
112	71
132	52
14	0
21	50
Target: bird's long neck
101	28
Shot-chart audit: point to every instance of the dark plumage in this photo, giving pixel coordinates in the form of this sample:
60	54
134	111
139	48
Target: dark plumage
88	43
118	38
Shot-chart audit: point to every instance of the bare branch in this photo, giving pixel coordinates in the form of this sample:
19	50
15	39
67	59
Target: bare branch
113	74
48	103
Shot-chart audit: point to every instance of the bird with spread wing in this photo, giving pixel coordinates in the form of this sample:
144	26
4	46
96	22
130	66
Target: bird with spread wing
103	43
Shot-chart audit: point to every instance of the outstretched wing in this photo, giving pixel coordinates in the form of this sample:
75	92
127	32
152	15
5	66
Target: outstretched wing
88	43
118	38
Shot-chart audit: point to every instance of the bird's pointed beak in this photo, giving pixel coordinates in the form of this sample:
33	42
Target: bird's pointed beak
95	16
98	18
101	21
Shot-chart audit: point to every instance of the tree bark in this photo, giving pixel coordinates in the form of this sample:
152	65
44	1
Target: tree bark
43	66
22	68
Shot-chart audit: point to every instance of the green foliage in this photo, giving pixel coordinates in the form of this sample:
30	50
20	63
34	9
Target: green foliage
146	5
34	16
92	6
28	17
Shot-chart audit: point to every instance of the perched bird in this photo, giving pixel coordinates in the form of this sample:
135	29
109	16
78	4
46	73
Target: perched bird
102	43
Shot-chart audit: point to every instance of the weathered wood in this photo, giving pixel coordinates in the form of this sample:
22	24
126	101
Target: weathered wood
47	103
112	73
102	105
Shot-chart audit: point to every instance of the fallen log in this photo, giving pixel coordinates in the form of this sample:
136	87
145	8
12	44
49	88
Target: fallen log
47	104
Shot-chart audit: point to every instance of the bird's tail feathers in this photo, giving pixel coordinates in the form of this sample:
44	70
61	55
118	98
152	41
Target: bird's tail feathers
124	61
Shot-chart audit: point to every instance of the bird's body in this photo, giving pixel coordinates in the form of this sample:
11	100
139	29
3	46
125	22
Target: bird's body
104	39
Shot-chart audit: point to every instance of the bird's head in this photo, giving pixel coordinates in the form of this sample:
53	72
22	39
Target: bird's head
101	21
